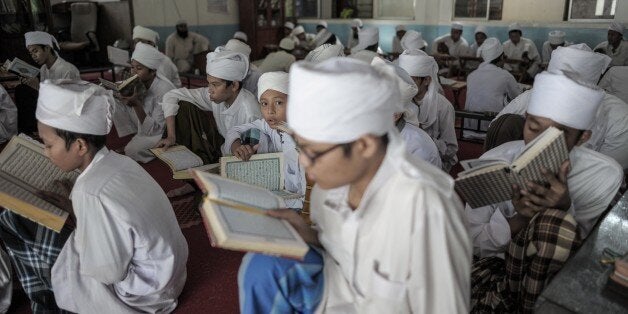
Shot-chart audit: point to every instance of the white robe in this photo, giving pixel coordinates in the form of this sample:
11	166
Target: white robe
489	88
456	49
619	56
60	69
615	82
274	141
593	181
151	130
546	51
244	109
182	50
441	129
404	249
512	51
420	144
277	61
8	116
169	70
610	129
364	55
127	253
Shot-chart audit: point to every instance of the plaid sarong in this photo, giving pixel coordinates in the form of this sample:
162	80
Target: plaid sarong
33	249
533	257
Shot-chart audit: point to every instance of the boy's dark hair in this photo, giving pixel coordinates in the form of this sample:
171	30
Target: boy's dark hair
229	83
372	47
346	147
95	142
496	60
331	40
516	31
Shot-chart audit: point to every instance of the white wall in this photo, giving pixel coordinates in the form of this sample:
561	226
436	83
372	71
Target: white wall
168	12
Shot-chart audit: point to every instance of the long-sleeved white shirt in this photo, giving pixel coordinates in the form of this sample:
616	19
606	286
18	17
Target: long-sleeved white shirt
404	249
456	48
8	116
169	70
619	56
420	144
593	181
277	61
60	69
615	82
440	128
516	51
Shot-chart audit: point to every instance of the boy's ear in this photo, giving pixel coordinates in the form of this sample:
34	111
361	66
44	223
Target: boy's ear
586	135
83	146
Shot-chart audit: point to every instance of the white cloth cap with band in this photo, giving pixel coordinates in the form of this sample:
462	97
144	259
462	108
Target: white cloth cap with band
277	81
147	55
227	65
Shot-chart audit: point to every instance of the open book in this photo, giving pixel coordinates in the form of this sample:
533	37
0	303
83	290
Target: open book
233	214
125	88
181	161
489	181
24	170
264	170
21	68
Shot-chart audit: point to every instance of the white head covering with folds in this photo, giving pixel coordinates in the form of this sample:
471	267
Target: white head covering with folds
400	28
241	35
412	40
298	30
616	26
407	90
40	38
514	27
75	106
286	43
562	99
418	63
322	23
288	25
147	55
349	99
367	36
490	50
357	23
227	65
456	26
480	29
238	46
580	59
277	81
324	52
556	37
141	32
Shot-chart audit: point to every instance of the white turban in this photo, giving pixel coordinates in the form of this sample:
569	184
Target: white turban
616	26
287	44
277	81
288	25
235	45
322	37
514	27
241	35
141	32
400	28
227	65
556	37
480	29
322	23
558	97
490	50
298	30
407	89
367	36
147	55
324	52
456	25
418	63
412	40
75	106
580	59
40	38
357	23
341	99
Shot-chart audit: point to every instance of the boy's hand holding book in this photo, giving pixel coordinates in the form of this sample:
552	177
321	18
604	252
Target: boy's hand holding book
32	82
243	152
309	235
61	200
537	197
167	142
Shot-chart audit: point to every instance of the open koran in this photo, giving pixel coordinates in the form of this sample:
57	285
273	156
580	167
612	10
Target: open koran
127	87
21	68
489	181
181	161
24	170
263	170
233	214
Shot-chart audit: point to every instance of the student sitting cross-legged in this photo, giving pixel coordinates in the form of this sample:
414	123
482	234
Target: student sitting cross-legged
127	253
272	93
388	233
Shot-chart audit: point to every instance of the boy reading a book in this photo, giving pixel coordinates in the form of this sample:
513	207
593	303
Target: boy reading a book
126	253
272	93
43	48
8	116
144	108
543	224
389	235
185	109
167	68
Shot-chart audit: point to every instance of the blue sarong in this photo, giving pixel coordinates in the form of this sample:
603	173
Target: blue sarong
270	284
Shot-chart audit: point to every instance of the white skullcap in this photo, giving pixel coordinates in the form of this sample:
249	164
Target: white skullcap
616	26
277	81
357	23
514	27
417	63
227	65
324	52
556	37
40	38
367	36
241	35
407	89
147	55
490	50
322	23
75	106
480	29
288	25
400	28
287	44
456	25
298	30
412	40
588	65
322	37
341	99
235	45
565	101
141	32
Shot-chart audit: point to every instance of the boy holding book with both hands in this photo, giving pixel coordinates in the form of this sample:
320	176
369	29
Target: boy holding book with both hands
127	253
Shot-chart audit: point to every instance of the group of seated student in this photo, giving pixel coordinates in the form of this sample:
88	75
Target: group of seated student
388	233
